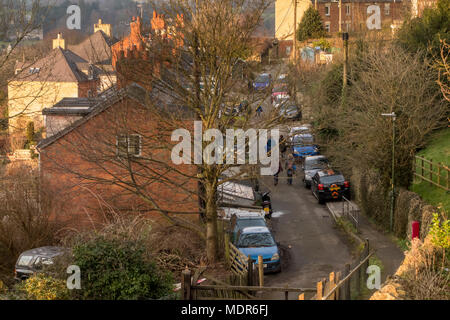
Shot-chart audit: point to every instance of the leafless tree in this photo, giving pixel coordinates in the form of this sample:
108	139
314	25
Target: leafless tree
192	71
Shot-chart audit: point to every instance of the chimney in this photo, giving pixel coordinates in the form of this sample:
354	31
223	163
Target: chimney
105	27
59	42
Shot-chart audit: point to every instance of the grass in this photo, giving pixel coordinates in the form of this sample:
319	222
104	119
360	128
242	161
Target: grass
438	149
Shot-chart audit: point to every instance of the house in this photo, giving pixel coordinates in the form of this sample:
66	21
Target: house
82	70
360	15
112	153
40	85
284	17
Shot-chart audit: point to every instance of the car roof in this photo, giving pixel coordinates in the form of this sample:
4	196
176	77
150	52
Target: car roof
310	158
48	251
256	230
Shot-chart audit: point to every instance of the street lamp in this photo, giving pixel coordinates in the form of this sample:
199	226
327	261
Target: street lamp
393	116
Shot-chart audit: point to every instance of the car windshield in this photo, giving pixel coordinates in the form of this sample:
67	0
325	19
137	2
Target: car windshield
315	163
254	240
337	178
24	261
303	140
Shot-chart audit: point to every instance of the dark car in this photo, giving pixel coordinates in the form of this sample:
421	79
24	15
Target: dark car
262	82
329	184
310	167
290	111
34	260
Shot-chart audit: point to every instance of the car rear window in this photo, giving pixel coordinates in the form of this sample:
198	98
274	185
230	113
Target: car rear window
332	179
254	240
24	261
316	163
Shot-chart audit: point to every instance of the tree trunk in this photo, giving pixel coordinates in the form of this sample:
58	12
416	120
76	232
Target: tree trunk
211	222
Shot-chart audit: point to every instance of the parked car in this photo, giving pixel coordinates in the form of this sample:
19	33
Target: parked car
303	146
280	100
329	184
290	111
242	219
33	261
279	89
262	82
306	128
258	241
311	165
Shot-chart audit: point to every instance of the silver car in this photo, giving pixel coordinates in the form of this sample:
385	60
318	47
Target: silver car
311	165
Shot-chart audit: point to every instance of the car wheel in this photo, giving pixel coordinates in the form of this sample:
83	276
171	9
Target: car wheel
320	200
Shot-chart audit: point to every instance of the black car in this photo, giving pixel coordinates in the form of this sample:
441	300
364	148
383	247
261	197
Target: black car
329	185
33	261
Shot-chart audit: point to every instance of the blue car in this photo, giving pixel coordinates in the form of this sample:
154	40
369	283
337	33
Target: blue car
258	241
303	146
262	82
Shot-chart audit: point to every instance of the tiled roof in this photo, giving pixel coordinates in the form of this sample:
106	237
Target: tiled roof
58	66
95	49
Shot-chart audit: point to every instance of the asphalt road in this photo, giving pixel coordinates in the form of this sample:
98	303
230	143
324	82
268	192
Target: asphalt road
311	245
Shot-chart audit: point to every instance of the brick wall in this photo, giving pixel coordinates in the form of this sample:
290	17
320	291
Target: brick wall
355	19
82	170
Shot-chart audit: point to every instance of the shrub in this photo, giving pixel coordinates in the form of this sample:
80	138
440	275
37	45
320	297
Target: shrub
43	287
116	269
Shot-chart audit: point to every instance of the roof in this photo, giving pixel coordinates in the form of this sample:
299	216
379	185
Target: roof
110	98
48	251
133	91
58	66
315	157
95	49
255	230
72	106
242	213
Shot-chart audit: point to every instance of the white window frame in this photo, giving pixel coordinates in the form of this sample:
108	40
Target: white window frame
129	149
347	9
387	9
328	26
328	6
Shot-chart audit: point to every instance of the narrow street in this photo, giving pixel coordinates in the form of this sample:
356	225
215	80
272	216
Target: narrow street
311	245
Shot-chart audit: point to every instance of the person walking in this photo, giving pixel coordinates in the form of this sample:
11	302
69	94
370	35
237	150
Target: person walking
290	168
259	110
275	176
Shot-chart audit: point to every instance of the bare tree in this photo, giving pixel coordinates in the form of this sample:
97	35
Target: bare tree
192	72
384	81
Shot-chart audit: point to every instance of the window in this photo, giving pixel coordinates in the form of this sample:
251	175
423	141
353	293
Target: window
327	9
129	145
348	25
387	9
288	50
347	9
327	26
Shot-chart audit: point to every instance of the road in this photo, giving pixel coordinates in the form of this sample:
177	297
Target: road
311	245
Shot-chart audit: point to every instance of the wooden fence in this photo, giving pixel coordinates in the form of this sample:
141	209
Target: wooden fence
435	173
346	285
190	290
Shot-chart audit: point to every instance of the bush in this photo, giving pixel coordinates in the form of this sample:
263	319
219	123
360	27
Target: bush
44	287
115	269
